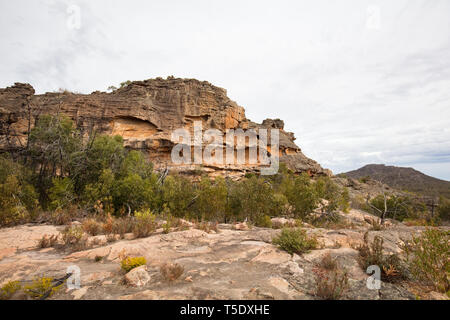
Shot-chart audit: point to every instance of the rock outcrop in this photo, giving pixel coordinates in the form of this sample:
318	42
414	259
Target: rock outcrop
145	113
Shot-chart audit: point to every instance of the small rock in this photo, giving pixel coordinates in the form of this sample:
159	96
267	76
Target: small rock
241	226
79	293
186	223
279	223
129	236
7	252
294	268
96	276
138	277
188	279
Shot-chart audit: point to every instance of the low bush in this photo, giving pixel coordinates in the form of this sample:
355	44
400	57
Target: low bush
444	209
9	289
166	227
129	263
376	225
48	241
264	222
41	287
428	258
251	199
328	263
92	227
391	266
121	226
300	193
331	285
332	220
171	272
144	224
295	241
207	226
72	235
62	217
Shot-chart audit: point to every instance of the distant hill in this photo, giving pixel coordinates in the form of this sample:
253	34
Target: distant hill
403	178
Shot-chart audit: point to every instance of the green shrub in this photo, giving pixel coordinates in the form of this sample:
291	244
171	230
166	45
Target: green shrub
344	200
391	266
134	192
9	289
264	222
41	287
428	258
178	194
72	235
211	199
121	226
100	193
364	179
135	163
295	241
251	198
61	194
328	190
168	225
144	224
18	198
444	209
130	263
103	153
300	194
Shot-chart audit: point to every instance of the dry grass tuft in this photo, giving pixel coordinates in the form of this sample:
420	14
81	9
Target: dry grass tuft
171	272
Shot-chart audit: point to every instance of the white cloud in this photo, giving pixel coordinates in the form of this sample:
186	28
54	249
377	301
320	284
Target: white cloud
351	94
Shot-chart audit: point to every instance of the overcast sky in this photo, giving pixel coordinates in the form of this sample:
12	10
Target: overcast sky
357	81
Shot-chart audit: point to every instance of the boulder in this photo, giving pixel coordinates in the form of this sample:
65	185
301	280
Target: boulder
138	277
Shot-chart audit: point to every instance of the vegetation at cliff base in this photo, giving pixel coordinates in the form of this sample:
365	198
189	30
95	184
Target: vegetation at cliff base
64	172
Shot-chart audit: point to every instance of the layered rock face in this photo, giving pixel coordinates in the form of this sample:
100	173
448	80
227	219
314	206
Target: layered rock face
145	114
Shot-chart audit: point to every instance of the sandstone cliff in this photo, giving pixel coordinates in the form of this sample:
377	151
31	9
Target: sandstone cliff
145	113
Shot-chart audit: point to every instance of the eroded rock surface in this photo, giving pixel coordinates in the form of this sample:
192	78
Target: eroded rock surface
230	264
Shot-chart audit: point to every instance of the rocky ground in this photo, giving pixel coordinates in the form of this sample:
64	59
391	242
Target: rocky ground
228	264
